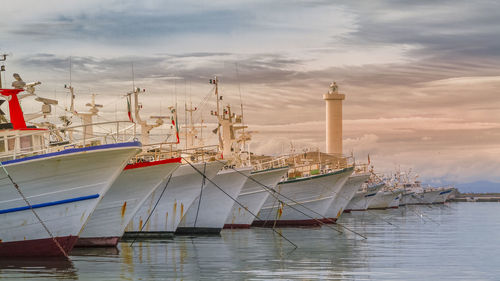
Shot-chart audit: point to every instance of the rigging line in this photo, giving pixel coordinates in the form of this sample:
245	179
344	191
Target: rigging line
270	190
201	192
34	212
203	104
241	205
152	211
269	214
241	99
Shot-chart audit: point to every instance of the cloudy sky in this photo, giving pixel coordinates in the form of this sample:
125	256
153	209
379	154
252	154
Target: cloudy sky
421	78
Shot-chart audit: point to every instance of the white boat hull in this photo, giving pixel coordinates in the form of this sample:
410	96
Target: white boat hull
134	184
396	201
382	200
362	200
420	198
63	188
208	215
306	200
345	195
442	196
253	196
184	187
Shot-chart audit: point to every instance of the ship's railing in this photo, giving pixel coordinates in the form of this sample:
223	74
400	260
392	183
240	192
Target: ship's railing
161	151
208	153
16	144
100	133
307	164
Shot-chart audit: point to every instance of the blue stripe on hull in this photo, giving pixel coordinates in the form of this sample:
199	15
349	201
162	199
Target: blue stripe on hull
444	192
74	150
48	204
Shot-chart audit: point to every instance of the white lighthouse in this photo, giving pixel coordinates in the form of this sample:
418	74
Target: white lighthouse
333	119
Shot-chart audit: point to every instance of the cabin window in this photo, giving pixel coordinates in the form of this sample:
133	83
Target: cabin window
2	145
37	142
26	143
11	143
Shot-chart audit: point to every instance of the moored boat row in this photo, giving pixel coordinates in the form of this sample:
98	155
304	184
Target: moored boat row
64	186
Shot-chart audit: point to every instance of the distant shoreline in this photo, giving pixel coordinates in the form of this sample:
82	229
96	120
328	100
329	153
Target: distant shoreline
476	197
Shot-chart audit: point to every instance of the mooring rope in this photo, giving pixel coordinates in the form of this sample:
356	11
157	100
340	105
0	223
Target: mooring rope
201	192
271	191
241	205
152	211
16	186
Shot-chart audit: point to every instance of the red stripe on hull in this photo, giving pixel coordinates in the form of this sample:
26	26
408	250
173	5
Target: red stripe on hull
154	163
393	207
378	208
329	220
236	226
97	242
287	223
37	248
356	210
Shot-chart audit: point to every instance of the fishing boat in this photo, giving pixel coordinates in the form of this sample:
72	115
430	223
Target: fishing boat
208	213
253	196
172	204
135	184
363	198
444	194
219	200
345	195
416	194
48	192
396	200
302	201
382	200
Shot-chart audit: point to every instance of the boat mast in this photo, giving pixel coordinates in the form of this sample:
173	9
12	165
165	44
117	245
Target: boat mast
2	69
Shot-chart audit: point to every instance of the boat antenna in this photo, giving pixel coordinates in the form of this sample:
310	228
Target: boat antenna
135	98
70	67
241	104
133	76
3	57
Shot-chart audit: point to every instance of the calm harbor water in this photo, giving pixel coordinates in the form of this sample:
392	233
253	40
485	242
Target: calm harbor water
460	241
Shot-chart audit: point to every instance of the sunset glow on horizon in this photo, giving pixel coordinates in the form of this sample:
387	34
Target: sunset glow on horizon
421	78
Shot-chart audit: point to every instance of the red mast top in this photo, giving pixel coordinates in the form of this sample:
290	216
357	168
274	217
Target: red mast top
15	111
